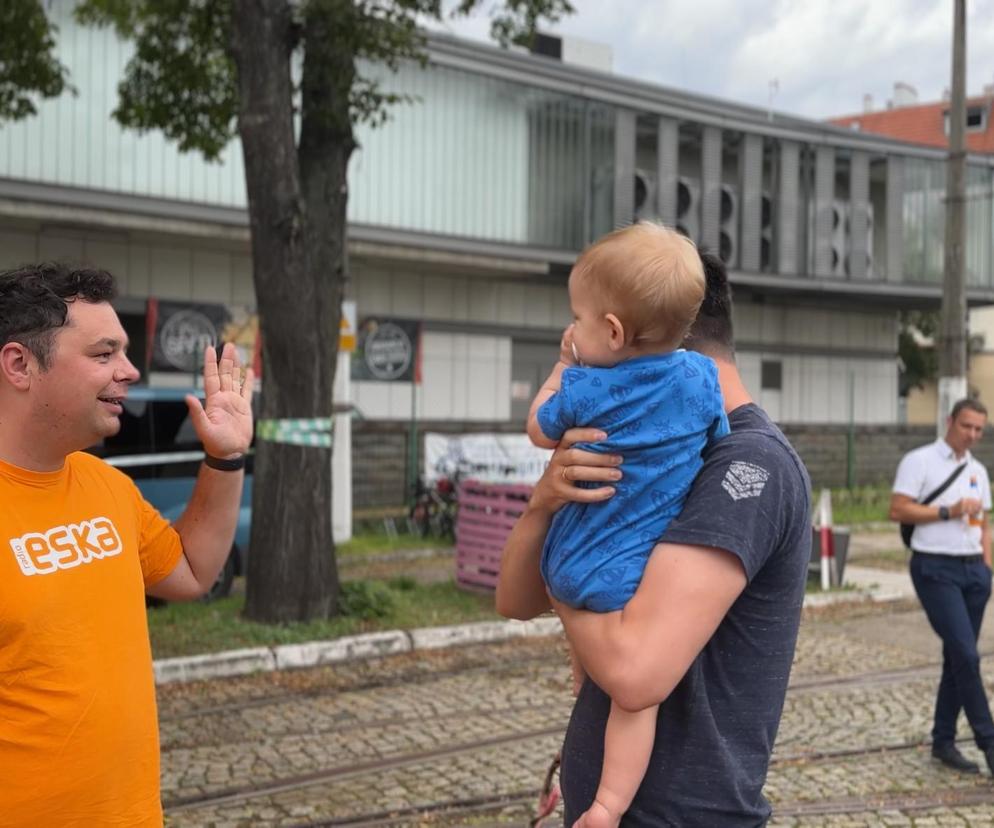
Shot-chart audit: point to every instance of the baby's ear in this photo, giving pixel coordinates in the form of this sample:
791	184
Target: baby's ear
617	341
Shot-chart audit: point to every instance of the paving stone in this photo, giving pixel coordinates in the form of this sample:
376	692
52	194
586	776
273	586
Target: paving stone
479	724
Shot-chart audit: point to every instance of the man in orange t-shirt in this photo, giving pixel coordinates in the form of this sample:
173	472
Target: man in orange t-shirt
79	741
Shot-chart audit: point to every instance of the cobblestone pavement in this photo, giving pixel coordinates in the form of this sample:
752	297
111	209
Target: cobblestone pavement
462	737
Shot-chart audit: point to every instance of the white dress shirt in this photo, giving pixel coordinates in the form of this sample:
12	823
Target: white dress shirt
920	473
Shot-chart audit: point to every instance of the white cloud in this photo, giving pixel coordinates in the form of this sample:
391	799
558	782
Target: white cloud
825	55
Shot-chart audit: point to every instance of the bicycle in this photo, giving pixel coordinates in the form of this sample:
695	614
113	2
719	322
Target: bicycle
434	509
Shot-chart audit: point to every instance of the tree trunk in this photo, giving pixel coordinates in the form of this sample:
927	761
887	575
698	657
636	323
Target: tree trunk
297	217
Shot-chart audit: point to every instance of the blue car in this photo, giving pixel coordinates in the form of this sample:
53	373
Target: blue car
158	448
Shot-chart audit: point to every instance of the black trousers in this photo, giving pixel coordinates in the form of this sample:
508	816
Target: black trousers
954	592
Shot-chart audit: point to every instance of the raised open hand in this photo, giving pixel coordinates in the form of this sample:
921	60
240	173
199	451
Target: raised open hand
224	421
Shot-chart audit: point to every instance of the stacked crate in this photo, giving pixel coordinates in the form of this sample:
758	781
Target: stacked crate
487	513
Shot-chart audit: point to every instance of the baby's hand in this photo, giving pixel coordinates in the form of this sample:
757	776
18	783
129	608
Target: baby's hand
566	354
597	816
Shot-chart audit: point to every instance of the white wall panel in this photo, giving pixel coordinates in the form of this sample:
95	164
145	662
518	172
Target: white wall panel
407	294
171	276
465	377
482	301
137	281
211	276
510	303
56	245
17	248
538	305
107	255
816	389
438	297
242	280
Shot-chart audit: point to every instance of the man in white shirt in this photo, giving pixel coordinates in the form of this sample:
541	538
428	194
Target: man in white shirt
951	570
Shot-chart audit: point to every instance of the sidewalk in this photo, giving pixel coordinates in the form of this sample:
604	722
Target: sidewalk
884	584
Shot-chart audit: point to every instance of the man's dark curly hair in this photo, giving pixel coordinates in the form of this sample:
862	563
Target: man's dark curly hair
34	302
711	333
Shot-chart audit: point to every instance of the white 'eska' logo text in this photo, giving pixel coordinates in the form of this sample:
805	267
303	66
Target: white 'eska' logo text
63	547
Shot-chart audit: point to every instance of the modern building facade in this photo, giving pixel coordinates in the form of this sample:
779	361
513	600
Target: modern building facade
905	118
468	207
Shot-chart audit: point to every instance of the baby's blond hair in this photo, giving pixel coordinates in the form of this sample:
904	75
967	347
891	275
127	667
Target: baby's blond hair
650	277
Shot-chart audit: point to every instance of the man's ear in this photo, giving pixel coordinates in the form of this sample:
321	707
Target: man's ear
17	365
617	332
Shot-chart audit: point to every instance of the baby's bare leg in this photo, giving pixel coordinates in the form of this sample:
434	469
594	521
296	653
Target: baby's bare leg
627	746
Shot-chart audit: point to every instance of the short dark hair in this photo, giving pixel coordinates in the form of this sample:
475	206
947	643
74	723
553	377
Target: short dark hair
711	332
970	403
34	302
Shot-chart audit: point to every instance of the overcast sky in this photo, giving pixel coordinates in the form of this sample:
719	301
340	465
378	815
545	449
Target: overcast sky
825	54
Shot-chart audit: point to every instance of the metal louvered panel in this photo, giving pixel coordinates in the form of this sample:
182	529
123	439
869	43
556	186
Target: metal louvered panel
822	224
751	167
895	218
710	187
788	227
624	167
860	243
667	170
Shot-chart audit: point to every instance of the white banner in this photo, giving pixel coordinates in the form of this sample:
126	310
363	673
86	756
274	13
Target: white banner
493	458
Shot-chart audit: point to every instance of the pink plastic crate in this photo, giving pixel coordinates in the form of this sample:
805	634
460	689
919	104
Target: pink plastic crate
487	513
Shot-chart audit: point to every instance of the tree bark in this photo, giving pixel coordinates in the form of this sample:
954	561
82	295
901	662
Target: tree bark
297	216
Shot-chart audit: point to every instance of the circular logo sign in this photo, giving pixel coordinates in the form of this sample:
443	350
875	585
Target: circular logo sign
184	337
387	351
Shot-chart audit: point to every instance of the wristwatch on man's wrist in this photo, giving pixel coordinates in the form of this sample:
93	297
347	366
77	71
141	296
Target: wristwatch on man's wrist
943	513
224	464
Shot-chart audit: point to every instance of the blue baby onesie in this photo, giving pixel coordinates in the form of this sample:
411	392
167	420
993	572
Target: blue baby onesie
659	412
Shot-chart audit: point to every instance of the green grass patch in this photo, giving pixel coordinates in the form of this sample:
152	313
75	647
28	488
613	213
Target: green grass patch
863	504
400	603
373	543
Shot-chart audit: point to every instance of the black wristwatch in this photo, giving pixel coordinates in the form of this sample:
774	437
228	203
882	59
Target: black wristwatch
943	513
222	464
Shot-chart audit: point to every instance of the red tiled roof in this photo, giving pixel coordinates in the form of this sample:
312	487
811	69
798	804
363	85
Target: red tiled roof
921	124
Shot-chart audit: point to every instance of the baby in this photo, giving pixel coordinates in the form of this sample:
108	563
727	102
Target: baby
634	295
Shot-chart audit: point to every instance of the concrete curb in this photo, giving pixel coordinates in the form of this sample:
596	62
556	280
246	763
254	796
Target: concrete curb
233	663
371	645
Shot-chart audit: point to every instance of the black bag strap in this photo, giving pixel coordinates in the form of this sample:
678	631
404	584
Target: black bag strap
946	484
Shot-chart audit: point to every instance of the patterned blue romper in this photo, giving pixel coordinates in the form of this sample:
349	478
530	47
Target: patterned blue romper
659	412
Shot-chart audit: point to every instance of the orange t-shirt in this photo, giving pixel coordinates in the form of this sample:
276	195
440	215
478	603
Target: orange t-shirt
79	739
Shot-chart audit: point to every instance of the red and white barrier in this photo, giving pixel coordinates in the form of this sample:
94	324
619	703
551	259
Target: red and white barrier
828	574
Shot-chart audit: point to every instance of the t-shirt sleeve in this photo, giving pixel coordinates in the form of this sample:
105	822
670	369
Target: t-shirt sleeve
740	500
555	415
910	477
160	546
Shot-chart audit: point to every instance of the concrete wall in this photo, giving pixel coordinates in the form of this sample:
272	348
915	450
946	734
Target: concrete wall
878	449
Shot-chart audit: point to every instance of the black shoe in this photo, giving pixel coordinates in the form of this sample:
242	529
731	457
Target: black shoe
950	756
989	756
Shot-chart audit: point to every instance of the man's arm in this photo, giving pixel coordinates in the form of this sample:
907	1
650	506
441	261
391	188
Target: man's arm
207	526
904	509
520	588
684	594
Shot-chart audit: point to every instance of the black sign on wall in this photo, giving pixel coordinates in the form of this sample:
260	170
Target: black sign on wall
182	331
387	350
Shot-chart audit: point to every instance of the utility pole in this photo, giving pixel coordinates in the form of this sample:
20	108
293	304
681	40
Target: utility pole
953	330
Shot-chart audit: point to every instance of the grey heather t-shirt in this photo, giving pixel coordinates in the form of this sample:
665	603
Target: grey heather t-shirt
715	731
